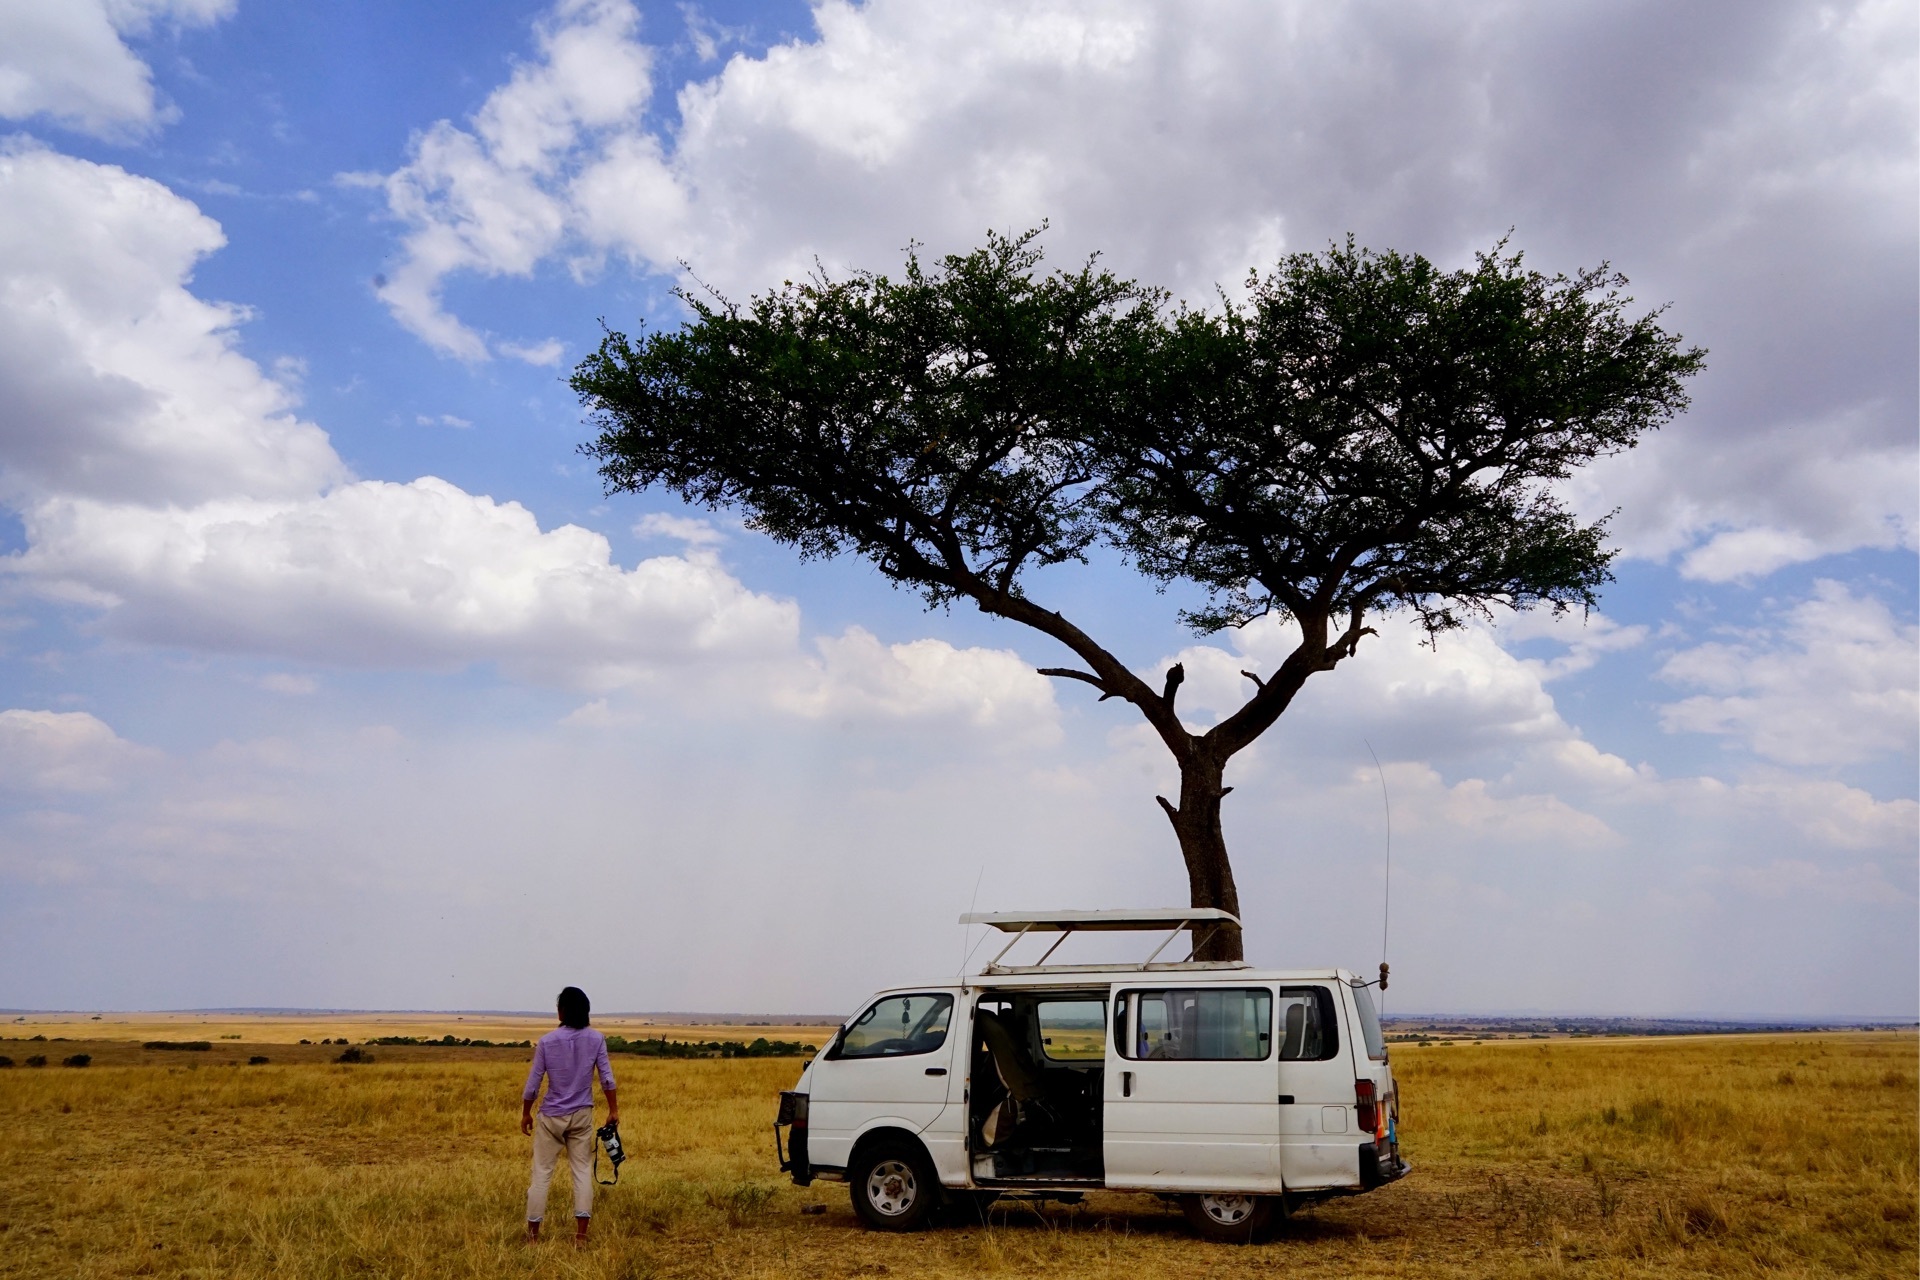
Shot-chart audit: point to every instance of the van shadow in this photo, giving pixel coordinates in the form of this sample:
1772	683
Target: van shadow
1132	1216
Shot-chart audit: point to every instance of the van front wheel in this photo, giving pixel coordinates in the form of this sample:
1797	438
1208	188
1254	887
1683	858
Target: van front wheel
1228	1219
893	1186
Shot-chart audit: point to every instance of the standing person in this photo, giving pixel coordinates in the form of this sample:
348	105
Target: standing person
568	1056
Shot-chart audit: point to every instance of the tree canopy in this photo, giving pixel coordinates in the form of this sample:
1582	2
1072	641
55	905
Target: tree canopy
1359	432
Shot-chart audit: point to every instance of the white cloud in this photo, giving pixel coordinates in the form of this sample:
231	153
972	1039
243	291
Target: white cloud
61	751
119	383
1836	681
1192	144
164	480
284	682
377	573
858	677
542	355
479	201
68	60
687	529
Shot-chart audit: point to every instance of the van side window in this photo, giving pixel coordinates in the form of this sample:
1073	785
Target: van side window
1309	1032
898	1025
1201	1024
1072	1030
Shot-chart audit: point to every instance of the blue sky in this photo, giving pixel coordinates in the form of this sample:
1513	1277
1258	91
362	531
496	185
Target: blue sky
328	676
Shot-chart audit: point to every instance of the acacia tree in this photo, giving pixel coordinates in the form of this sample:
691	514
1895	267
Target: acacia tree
1363	433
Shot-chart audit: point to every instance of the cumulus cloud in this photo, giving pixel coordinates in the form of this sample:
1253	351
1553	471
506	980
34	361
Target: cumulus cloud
858	677
120	383
1836	680
61	751
480	200
375	573
68	59
165	480
1756	164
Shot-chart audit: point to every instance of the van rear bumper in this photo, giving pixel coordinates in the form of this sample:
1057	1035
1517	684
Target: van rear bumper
1376	1171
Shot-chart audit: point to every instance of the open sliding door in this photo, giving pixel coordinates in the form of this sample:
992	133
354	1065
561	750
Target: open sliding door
1191	1089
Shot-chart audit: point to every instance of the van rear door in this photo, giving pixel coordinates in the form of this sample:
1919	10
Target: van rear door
1188	1096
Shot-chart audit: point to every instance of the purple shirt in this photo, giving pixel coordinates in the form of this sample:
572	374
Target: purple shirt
568	1056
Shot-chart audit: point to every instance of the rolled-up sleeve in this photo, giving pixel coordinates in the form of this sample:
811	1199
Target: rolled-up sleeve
604	1065
534	1073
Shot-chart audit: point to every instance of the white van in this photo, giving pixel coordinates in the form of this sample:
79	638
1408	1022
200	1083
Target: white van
1240	1091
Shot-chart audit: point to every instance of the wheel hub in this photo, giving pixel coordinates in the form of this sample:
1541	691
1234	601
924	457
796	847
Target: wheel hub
891	1188
1228	1211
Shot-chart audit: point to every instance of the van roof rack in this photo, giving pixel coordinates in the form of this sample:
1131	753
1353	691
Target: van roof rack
1202	920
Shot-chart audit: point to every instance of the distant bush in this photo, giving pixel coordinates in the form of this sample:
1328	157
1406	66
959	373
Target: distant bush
256	1060
354	1055
37	1060
36	1037
5	1062
454	1042
664	1048
229	1037
306	1042
77	1060
191	1046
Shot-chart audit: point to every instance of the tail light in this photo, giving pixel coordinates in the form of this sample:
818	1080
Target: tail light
1366	1106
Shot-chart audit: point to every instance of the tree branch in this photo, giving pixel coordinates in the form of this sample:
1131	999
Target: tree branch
1069	673
1258	683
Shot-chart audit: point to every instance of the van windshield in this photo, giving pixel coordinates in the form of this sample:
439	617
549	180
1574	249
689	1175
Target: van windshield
1370	1023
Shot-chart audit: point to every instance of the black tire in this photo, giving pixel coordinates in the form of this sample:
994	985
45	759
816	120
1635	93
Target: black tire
893	1185
1228	1219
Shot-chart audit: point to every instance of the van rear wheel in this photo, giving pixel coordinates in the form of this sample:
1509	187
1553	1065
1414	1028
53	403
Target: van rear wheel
894	1187
1228	1219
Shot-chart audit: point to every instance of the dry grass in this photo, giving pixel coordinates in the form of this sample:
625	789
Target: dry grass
1778	1156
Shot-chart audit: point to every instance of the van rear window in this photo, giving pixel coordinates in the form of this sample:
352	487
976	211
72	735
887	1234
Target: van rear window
1370	1022
1308	1030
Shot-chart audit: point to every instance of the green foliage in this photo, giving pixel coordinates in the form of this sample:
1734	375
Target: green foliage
760	1047
1364	431
449	1042
939	425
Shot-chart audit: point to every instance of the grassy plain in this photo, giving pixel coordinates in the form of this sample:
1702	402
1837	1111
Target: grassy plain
291	1028
1724	1156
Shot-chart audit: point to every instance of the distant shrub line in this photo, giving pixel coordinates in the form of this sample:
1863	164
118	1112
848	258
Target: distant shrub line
452	1042
196	1046
664	1048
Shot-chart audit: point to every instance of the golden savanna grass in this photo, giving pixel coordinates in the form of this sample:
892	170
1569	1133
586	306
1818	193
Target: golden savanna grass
1728	1156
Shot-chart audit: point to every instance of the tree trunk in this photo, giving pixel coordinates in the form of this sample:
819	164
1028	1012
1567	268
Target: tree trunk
1196	821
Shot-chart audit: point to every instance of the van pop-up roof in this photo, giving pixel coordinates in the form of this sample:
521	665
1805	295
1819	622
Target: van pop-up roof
1202	920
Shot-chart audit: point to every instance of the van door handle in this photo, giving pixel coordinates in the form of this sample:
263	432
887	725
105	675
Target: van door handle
1286	1099
1126	1084
936	1071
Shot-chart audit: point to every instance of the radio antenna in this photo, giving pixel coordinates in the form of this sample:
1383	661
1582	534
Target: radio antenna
966	931
1386	881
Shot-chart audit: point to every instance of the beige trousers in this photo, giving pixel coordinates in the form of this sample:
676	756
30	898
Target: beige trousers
573	1131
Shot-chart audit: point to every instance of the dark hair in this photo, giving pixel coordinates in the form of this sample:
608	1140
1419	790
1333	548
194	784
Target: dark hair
574	1007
